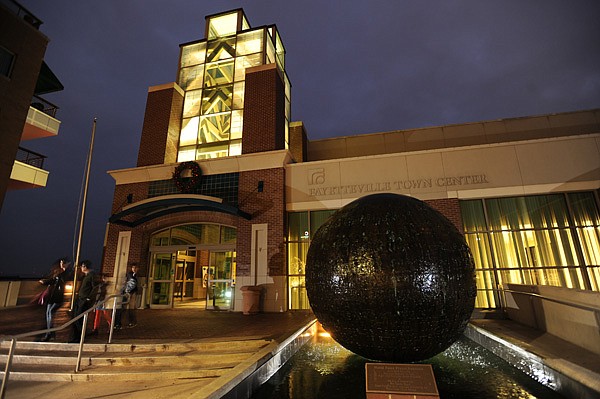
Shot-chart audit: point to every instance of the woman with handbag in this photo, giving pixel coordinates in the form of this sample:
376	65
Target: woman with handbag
53	296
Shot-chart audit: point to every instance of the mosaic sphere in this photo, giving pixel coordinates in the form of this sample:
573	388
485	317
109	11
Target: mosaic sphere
391	279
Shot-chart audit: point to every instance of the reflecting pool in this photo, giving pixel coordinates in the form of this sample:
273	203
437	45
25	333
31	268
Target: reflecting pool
324	369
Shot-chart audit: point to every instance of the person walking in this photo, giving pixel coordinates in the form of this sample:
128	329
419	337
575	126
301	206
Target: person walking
85	299
131	288
55	283
101	311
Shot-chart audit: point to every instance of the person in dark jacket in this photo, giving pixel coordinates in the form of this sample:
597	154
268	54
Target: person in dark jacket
55	283
85	298
131	288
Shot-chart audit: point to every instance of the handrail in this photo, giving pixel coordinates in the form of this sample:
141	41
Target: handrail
30	157
13	338
572	304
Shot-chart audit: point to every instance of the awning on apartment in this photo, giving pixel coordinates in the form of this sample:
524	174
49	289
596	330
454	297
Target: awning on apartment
47	81
140	212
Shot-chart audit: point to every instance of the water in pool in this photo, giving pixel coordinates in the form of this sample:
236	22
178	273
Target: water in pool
324	369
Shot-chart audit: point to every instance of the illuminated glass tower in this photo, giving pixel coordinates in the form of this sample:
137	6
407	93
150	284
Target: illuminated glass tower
212	72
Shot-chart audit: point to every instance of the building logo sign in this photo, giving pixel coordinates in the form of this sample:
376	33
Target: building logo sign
317	177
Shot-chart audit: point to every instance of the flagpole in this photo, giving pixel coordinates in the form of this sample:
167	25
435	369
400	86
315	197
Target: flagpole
85	190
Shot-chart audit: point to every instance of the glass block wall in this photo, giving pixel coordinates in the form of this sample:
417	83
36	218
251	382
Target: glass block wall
212	74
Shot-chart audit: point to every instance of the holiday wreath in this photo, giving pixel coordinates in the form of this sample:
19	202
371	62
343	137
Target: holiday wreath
187	184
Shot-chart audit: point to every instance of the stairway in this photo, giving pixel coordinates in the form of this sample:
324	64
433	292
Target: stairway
201	363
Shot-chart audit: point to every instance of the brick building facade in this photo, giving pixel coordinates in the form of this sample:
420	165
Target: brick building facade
227	192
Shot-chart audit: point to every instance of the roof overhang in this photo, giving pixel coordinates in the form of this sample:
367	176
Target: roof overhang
143	211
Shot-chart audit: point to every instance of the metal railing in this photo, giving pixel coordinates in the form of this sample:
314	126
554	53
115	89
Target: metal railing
550	299
22	12
13	338
30	158
44	105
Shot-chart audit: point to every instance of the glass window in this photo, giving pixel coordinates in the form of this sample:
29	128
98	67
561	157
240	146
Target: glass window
245	24
160	239
214	128
191	234
238	95
587	220
473	216
228	235
186	234
223	25
216	100
213	151
7	60
317	218
298	226
193	54
186	154
237	123
250	42
189	131
241	63
219	73
191	103
191	78
220	49
270	52
280	50
211	234
539	240
235	148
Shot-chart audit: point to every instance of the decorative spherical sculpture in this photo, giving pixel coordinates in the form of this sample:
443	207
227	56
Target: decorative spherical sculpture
391	279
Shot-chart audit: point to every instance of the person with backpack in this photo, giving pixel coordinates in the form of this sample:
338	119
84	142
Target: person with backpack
131	288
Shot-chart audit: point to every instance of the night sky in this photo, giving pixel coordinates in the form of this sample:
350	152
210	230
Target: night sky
355	67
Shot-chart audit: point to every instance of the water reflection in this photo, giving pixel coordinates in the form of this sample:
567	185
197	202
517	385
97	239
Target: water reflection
324	369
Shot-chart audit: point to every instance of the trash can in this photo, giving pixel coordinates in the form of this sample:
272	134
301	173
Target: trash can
250	299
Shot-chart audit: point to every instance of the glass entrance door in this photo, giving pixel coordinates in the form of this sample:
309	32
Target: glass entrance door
221	280
161	280
185	269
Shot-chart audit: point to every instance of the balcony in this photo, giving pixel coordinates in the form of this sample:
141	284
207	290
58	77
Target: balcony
22	12
41	121
27	171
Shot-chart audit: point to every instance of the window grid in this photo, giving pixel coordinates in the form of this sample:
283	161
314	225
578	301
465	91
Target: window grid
555	243
224	186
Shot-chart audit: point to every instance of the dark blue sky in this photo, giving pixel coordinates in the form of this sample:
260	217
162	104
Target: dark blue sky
355	66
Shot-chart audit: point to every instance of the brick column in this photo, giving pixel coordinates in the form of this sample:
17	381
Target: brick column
264	110
162	124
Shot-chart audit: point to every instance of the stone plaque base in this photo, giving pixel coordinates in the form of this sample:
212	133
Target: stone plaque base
400	381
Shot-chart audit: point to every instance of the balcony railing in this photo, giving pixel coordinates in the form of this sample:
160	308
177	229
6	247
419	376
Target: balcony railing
43	105
22	12
30	158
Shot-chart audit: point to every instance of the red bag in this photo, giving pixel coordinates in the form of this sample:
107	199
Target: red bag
41	298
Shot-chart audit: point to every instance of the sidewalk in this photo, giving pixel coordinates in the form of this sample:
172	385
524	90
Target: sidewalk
166	324
563	362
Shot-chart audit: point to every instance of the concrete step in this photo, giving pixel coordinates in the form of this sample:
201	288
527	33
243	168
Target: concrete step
51	361
158	359
214	345
64	373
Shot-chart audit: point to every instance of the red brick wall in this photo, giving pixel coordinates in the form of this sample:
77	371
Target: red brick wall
162	123
450	208
264	110
298	142
266	207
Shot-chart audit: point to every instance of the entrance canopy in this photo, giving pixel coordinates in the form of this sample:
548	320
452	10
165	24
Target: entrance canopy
142	211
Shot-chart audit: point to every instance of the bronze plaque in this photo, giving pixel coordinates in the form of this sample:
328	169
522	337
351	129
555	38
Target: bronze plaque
410	379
